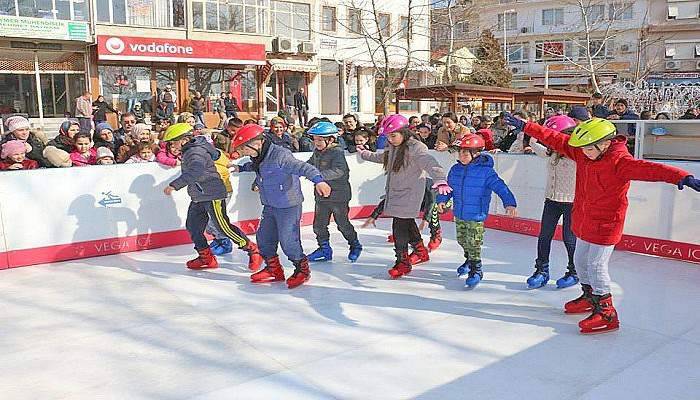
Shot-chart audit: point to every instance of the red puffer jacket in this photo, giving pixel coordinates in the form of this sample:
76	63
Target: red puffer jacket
601	202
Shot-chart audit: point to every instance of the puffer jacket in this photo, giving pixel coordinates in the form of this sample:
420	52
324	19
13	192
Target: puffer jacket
278	175
404	189
221	165
600	203
199	173
334	167
472	185
79	160
164	156
561	175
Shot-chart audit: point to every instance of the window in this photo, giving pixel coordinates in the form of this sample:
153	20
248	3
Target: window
405	32
354	20
518	53
670	51
683	10
511	21
158	13
328	19
598	49
553	17
291	20
249	16
620	11
552	51
595	13
384	22
331	87
71	10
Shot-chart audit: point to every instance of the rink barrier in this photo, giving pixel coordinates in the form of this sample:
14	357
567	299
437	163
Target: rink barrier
63	214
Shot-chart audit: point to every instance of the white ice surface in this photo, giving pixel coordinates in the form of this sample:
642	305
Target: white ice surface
141	326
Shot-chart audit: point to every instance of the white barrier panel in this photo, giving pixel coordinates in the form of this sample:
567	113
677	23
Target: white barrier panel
59	214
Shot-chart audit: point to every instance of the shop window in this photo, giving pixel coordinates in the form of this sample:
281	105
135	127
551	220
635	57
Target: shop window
123	86
291	19
155	13
244	86
230	15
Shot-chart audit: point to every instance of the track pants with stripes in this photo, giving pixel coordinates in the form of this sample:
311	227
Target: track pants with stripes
200	213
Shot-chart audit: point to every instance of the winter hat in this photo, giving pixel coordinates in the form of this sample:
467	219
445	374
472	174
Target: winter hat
199	126
138	129
580	113
17	122
65	125
57	157
13	147
103	125
103	152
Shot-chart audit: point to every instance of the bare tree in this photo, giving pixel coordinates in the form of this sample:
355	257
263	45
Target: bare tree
454	25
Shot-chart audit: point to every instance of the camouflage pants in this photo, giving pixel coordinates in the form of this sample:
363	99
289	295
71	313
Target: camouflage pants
470	235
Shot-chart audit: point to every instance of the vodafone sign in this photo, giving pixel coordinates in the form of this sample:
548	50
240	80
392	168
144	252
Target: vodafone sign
130	48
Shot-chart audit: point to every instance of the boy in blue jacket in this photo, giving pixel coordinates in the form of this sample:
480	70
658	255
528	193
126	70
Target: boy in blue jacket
277	177
472	180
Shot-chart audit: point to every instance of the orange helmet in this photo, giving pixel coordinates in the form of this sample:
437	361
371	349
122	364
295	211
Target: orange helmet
469	141
245	134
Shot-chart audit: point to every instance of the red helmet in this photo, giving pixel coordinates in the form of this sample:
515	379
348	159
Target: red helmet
245	134
392	123
469	141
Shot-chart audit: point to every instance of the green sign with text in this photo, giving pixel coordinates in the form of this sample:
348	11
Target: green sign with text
40	28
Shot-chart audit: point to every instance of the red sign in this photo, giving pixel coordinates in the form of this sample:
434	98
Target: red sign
130	48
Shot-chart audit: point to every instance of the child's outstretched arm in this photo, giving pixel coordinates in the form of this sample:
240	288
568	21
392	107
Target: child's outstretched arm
443	198
501	189
632	169
371	156
557	141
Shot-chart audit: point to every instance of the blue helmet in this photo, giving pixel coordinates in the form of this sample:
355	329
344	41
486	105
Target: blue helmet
323	128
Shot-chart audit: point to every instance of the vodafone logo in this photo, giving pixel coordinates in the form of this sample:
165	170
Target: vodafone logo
115	45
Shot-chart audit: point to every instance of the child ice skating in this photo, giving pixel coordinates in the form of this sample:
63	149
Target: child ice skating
207	193
329	159
473	179
277	177
559	197
604	169
406	162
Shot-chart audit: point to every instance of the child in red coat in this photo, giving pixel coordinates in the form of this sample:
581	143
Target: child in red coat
14	156
604	169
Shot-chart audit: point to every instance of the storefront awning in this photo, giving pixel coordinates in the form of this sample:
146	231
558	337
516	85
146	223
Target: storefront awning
293	65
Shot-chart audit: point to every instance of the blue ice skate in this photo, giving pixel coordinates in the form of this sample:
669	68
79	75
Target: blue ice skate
323	253
570	278
539	278
220	247
355	250
475	275
463	269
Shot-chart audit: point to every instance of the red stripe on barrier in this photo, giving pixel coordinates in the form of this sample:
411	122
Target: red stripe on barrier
110	246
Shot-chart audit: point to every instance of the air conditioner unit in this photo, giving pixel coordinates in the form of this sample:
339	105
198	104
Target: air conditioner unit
673	65
625	48
515	70
524	29
307	47
697	65
282	45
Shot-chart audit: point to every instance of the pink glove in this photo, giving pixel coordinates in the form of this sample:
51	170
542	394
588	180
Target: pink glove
442	187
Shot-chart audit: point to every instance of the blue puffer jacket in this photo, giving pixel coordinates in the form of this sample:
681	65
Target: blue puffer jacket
278	176
472	185
199	173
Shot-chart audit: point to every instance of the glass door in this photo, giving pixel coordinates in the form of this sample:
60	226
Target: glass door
163	78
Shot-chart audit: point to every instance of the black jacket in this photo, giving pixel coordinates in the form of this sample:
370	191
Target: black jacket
334	168
429	141
100	113
140	115
301	101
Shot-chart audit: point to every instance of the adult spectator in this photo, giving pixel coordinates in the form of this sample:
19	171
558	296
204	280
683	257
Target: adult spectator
301	105
413	122
426	135
450	131
231	106
279	136
500	130
662	116
486	122
100	108
220	108
187	118
141	134
425	119
351	124
599	110
222	139
464	120
18	128
579	113
690	113
66	132
139	114
168	97
83	111
645	115
475	122
162	113
14	156
128	121
623	113
104	137
198	105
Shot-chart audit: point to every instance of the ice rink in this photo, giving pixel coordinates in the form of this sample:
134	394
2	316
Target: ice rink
141	326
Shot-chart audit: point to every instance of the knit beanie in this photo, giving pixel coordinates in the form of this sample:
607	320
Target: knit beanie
103	125
13	147
57	157
17	122
103	152
138	129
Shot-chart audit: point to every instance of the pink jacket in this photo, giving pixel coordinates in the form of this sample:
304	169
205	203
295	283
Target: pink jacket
165	157
79	161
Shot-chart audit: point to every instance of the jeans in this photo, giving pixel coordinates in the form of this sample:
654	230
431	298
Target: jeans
322	217
199	117
303	115
405	231
280	226
551	213
592	265
169	108
200	213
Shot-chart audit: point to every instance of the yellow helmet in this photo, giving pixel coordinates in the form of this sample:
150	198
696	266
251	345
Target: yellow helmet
591	132
177	131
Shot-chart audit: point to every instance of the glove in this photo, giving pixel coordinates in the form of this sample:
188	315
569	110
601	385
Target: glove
514	121
691	182
442	187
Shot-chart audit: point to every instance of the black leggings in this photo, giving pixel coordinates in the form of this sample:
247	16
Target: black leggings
405	232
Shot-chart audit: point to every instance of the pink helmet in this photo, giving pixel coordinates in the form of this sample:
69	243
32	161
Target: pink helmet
560	122
392	123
